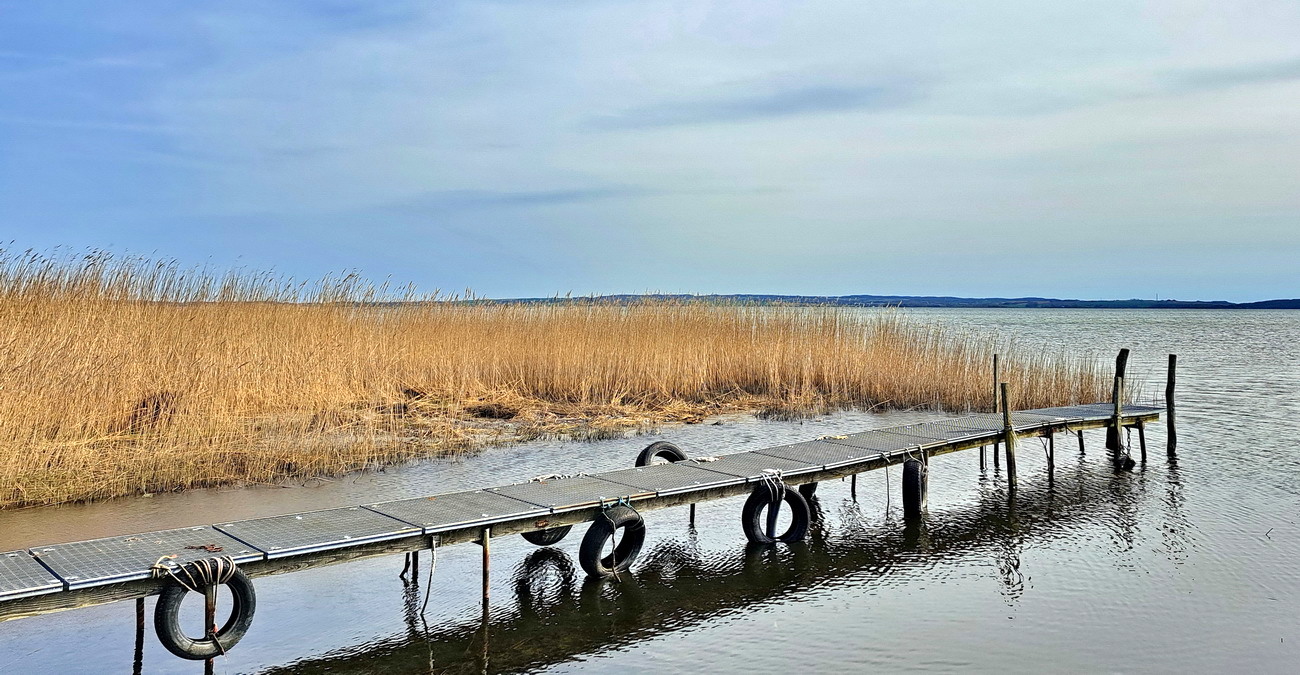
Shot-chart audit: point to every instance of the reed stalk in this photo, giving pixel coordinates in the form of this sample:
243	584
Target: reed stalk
123	376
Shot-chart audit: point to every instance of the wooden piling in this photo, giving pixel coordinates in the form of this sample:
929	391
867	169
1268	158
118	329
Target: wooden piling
996	380
1081	449
853	487
692	515
1171	436
1009	432
1113	440
486	541
1117	418
138	662
1051	453
1142	440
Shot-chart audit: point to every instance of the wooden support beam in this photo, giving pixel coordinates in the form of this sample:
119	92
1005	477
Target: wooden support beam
1080	434
1010	432
1051	453
1171	435
1113	440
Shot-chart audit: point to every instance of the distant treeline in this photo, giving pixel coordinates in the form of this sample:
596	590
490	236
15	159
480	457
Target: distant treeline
920	301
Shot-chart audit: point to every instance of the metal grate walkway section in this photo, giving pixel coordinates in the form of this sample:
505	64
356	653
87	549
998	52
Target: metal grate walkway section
56	568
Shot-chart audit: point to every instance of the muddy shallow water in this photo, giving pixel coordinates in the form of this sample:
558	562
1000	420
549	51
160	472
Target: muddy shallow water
1180	565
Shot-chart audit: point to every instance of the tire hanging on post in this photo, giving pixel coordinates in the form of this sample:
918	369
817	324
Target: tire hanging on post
660	450
591	554
915	487
757	516
547	537
198	576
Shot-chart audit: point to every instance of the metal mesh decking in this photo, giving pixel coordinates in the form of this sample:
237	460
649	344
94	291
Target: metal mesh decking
752	465
440	513
568	493
22	577
279	536
671	478
115	559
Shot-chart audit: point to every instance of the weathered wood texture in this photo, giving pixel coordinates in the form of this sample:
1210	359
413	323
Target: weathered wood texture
1009	431
1171	435
1113	441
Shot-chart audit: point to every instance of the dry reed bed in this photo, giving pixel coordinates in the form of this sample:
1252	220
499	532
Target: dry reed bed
127	377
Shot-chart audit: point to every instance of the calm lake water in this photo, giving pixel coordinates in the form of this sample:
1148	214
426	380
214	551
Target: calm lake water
1186	565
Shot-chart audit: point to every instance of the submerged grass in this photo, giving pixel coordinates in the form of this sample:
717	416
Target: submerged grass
128	376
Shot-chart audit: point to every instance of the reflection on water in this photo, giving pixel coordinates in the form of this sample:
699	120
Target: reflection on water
556	613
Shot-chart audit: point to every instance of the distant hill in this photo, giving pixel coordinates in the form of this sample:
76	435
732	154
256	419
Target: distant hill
925	301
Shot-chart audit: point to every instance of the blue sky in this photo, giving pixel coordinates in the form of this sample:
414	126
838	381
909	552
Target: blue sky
1097	150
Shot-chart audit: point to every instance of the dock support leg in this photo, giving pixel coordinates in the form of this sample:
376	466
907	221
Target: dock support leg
1051	453
1081	450
138	665
1010	432
1142	440
692	515
853	487
983	460
485	540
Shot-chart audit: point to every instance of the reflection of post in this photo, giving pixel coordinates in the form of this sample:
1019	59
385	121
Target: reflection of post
1010	433
1171	436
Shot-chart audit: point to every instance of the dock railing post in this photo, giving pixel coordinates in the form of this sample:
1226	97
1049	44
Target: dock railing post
1009	432
1113	440
1171	436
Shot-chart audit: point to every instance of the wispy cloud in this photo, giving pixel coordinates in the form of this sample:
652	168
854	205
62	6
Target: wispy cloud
802	100
1221	78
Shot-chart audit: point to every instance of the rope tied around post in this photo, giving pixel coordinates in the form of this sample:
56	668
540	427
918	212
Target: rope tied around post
200	573
202	577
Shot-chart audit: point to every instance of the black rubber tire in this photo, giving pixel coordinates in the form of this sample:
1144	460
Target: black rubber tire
591	552
548	536
660	450
166	620
754	524
808	490
914	488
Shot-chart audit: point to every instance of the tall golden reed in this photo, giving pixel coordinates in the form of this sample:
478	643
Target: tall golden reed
125	376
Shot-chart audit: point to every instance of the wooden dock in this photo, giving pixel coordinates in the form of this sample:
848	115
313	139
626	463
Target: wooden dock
56	577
